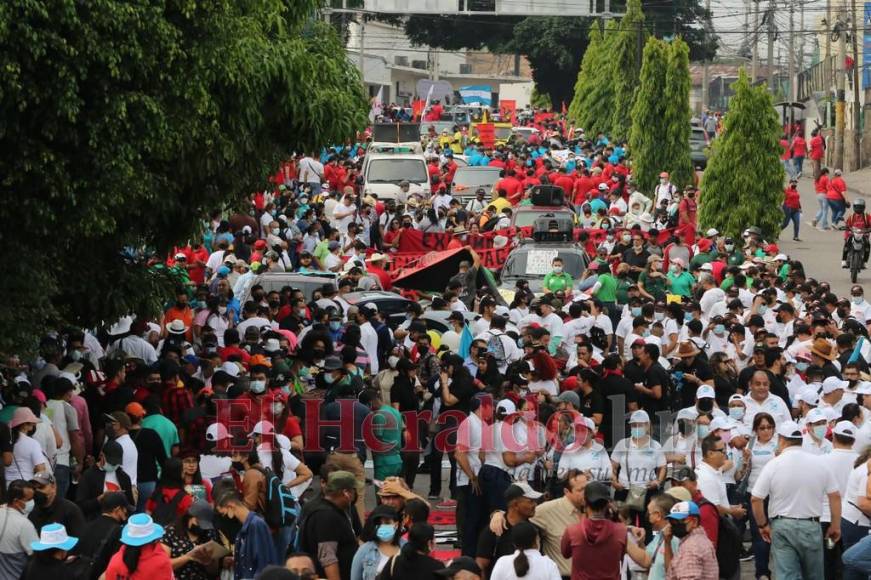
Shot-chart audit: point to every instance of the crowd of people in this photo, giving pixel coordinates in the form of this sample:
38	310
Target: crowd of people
637	422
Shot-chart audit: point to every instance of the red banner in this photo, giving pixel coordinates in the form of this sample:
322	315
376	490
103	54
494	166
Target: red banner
508	110
417	242
417	108
539	119
487	134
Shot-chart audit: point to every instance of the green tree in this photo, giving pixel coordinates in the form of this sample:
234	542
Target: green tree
586	74
743	182
624	60
648	117
124	123
678	114
597	102
540	100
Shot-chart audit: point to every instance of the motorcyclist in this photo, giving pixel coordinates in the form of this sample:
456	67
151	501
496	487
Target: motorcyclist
860	220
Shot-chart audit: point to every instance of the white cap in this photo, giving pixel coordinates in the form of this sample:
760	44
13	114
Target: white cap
809	395
705	392
586	422
690	414
832	384
738	398
845	429
722	423
217	432
741	430
706	267
262	428
815	415
506	405
781	258
863	388
831	414
230	368
711	232
639	417
789	429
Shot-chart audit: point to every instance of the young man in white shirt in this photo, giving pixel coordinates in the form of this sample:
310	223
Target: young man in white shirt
468	452
710	479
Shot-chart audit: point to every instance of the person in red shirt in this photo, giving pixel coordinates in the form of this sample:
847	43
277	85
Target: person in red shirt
859	220
497	161
799	152
786	157
565	181
818	151
821	188
511	185
792	208
837	197
197	256
530	179
375	267
688	209
449	168
583	185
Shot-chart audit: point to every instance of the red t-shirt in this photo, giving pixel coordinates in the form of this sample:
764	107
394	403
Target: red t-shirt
821	185
153	563
168	494
595	547
566	182
836	190
583	184
791	198
799	147
784	144
817	147
197	273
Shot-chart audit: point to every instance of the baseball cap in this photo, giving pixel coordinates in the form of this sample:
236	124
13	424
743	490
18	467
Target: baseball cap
204	513
815	416
570	397
596	492
639	417
261	428
809	395
684	473
789	430
521	489
679	493
705	392
721	423
832	384
119	417
683	510
114	499
845	429
217	432
342	480
42	478
135	410
506	405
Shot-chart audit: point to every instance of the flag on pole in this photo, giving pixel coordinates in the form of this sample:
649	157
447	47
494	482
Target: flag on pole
477	94
376	109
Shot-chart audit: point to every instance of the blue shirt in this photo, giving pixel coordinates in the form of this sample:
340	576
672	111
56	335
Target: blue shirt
254	548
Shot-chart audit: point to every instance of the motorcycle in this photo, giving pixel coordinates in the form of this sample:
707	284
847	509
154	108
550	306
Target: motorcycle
856	251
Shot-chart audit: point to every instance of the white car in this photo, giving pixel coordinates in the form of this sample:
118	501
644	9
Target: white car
382	174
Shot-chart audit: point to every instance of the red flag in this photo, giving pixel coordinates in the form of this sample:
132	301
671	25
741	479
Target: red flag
417	108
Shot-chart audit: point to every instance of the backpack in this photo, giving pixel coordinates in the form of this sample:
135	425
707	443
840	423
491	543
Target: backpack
281	508
728	543
166	512
598	338
497	349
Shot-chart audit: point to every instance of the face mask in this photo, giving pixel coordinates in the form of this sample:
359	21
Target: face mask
386	532
678	529
277	408
28	506
109	468
801	366
703	431
763	309
638	432
728	247
819	431
636	311
237	465
673	269
392	360
736	413
329	379
197	530
301	312
627	239
75	355
557	269
858	299
687	316
222	310
719	330
610	237
335	325
275	231
705	404
659	315
258	386
319	353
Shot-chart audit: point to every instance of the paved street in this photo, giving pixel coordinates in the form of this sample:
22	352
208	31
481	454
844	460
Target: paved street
820	252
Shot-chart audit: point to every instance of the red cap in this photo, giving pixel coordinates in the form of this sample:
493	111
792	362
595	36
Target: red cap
260	244
569	384
704	244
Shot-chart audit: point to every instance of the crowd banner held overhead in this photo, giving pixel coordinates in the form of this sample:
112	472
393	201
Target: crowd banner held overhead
508	110
477	95
539	119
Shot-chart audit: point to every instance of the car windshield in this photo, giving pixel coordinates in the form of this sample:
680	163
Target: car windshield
503	132
535	263
476	177
396	170
523	219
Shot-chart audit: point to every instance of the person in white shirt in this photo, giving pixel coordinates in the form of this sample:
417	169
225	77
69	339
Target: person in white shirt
638	460
509	347
713	301
553	323
585	453
860	309
855	521
18	531
118	426
311	171
794	484
27	455
527	562
840	462
833	394
664	190
468	454
368	335
344	214
814	440
710	478
760	399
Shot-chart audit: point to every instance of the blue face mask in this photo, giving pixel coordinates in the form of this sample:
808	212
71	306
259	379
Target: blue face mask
329	379
638	432
719	329
819	431
636	311
763	309
801	366
687	316
386	532
703	431
335	325
736	413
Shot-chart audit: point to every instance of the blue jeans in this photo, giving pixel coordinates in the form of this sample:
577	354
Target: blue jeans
798	162
761	548
852	535
838	207
822	217
146	488
797	546
857	560
63	478
282	539
791	215
788	168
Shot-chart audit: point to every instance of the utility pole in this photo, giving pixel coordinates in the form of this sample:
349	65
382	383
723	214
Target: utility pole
755	65
801	40
827	68
435	64
705	80
362	45
770	17
856	160
791	57
840	103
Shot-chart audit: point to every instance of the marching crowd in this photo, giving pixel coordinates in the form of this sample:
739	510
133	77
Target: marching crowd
635	422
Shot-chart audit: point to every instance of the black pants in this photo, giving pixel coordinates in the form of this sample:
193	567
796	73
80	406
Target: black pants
410	461
435	462
832	558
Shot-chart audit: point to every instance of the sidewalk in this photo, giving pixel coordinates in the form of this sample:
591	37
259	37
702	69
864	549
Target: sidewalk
859	182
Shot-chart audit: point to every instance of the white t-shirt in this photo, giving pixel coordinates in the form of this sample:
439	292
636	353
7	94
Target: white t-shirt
773	405
130	457
593	459
44	435
65	419
795	483
711	485
554	325
212	466
342	216
26	455
290	463
641	462
857	482
840	463
495	445
760	455
469	437
540	567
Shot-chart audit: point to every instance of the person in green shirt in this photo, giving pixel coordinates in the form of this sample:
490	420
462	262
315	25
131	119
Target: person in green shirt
679	280
707	253
624	281
734	257
165	428
557	279
781	264
652	282
387	427
605	288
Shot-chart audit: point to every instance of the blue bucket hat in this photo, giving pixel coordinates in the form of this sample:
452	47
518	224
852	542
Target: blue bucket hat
140	530
53	537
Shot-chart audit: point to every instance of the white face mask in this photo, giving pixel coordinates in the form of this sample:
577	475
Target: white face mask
222	310
392	360
558	269
257	387
277	408
28	506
